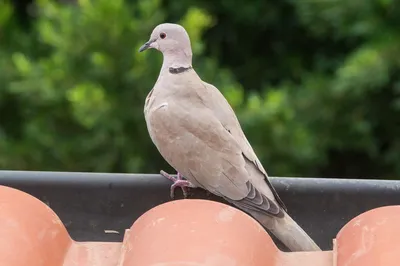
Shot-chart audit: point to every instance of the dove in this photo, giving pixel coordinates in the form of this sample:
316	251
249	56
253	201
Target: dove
197	132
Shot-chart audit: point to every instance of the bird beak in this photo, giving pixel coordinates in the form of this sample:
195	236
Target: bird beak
145	46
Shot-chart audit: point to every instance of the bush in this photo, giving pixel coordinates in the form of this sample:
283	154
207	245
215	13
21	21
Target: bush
315	84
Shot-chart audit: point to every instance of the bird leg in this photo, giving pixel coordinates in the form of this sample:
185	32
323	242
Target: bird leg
178	182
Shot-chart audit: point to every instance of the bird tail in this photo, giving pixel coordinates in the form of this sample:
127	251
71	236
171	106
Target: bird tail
288	232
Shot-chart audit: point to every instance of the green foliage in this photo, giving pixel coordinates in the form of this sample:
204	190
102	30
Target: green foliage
315	84
80	103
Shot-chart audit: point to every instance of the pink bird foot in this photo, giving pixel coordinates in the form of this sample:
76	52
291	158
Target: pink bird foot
178	182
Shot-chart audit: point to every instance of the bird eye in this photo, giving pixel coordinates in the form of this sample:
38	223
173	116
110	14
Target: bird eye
163	35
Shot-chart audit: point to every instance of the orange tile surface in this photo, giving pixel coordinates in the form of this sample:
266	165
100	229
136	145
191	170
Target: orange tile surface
185	233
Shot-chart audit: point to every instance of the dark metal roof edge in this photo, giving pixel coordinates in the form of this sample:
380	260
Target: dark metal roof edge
306	184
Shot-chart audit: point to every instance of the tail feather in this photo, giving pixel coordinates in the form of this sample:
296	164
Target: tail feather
288	232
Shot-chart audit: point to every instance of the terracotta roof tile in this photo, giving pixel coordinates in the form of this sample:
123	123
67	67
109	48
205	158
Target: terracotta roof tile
30	231
370	239
185	233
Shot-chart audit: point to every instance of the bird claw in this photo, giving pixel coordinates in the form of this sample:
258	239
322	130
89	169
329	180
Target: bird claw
178	182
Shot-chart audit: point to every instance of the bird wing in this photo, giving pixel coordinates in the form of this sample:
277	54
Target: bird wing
226	115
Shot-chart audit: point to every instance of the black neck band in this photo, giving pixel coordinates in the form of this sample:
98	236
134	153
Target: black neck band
178	70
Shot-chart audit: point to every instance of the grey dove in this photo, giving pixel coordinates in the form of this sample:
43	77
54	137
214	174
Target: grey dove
197	132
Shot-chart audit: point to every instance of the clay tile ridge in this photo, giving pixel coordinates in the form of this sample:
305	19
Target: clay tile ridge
185	233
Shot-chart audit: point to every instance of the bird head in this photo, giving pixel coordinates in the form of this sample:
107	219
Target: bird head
168	38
